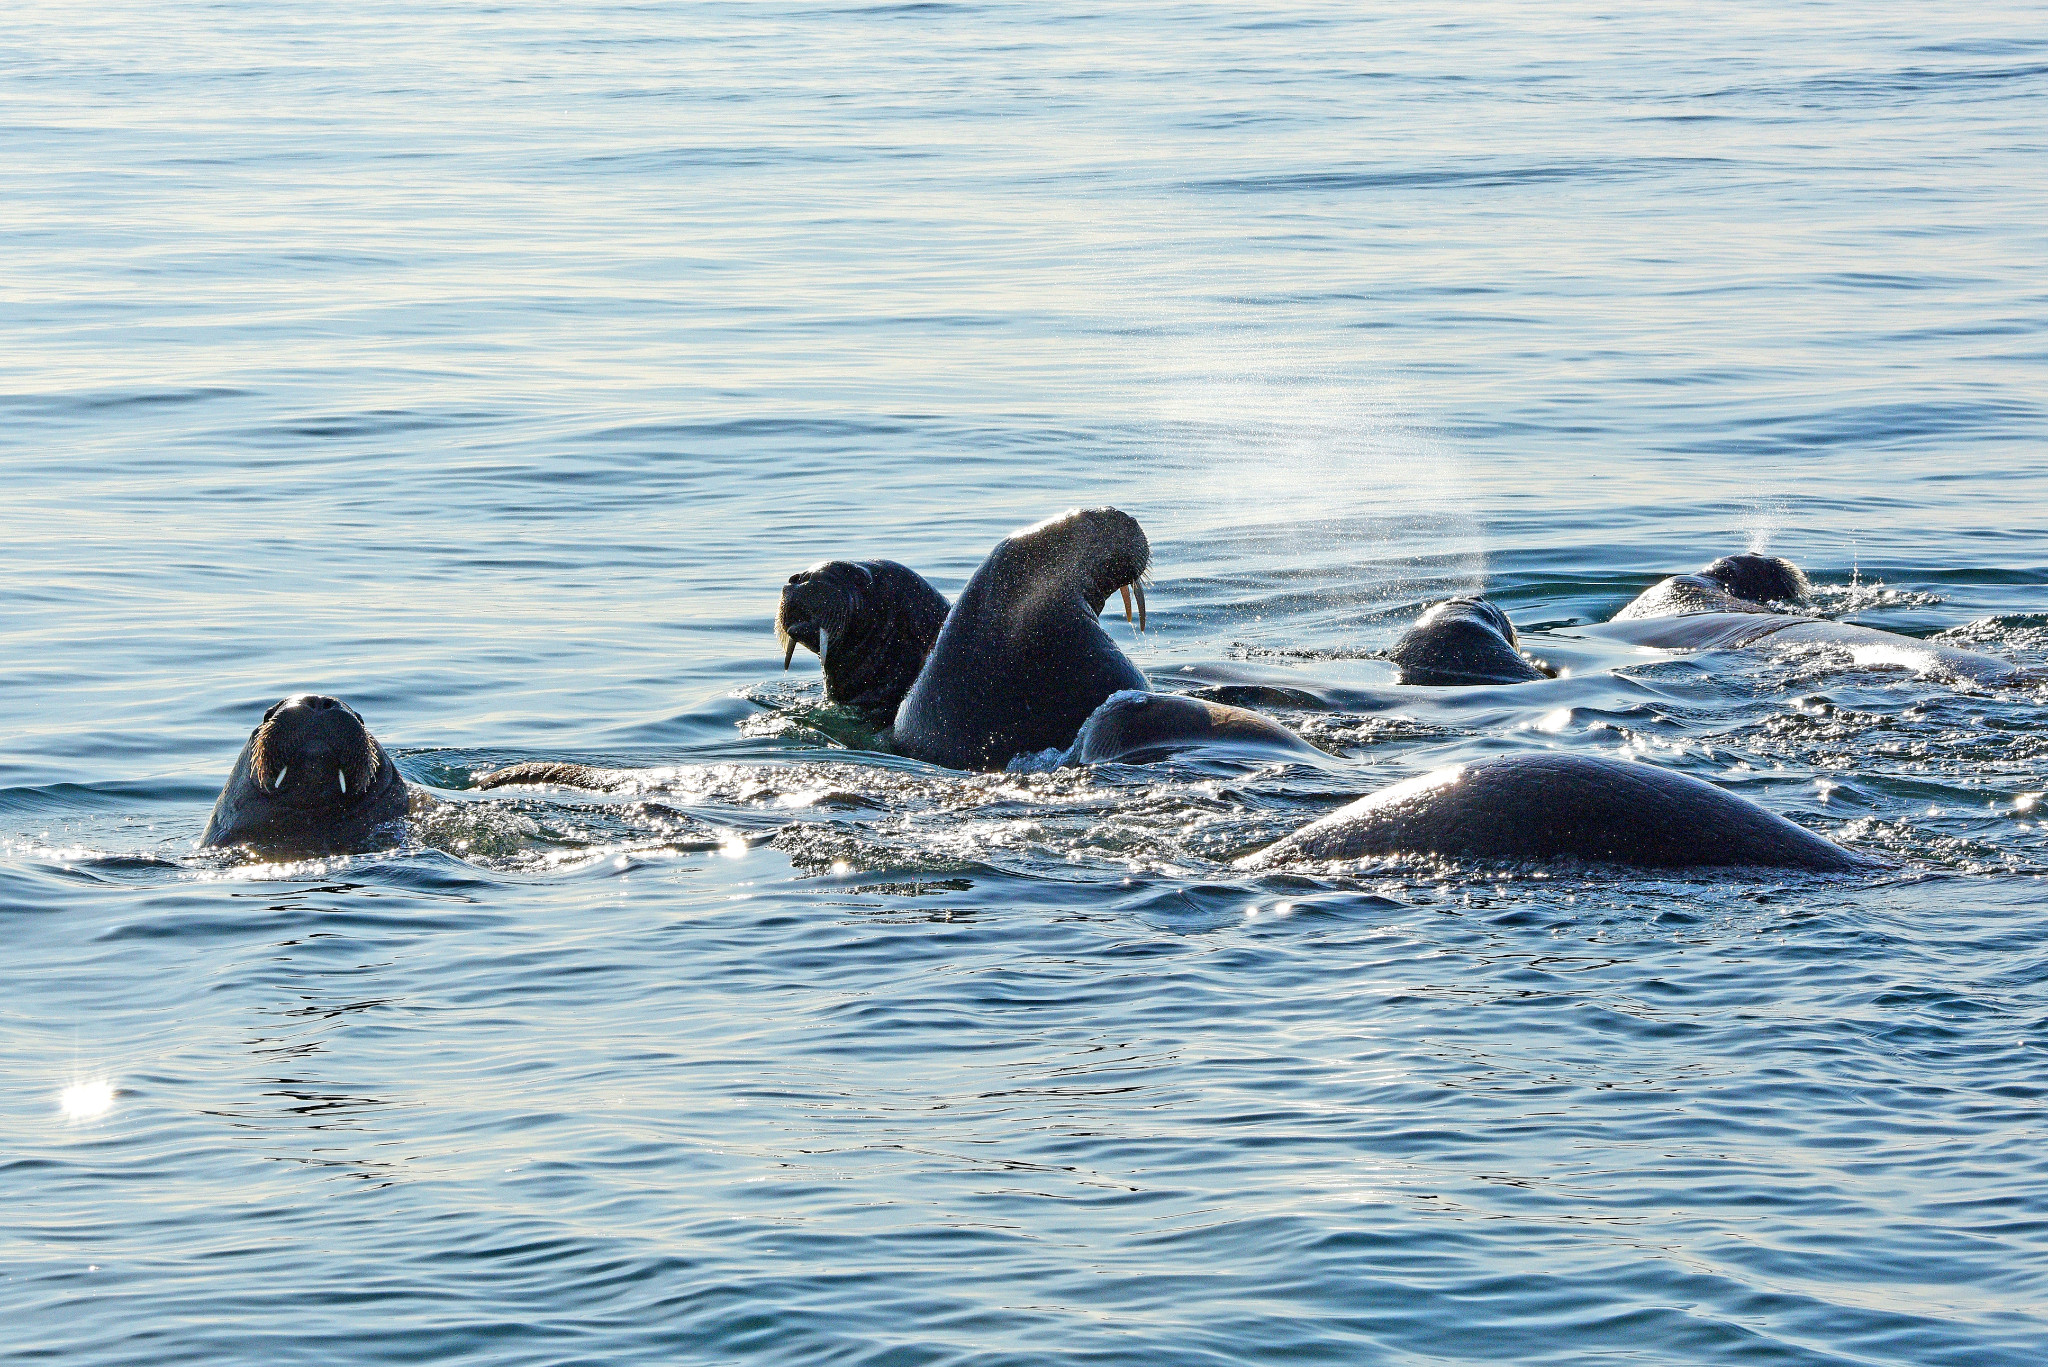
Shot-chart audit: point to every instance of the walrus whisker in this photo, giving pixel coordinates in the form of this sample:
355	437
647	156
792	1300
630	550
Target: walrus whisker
278	782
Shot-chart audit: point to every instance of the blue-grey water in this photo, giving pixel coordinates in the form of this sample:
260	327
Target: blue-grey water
490	366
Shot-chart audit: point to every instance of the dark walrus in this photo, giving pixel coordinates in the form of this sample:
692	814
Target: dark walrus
1462	641
1137	728
870	622
1550	806
310	780
1022	660
1729	606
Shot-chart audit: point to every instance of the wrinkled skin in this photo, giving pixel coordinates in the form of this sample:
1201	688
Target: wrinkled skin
1539	808
310	780
1462	641
870	622
1718	609
1137	728
1022	659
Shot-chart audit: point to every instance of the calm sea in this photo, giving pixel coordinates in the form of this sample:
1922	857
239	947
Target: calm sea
490	366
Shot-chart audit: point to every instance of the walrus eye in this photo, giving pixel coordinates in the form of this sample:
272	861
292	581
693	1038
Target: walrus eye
342	774
278	782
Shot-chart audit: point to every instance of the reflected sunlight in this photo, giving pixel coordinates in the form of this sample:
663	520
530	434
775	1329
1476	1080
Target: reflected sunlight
86	1100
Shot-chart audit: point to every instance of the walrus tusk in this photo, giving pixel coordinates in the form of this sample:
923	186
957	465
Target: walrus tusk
278	782
1127	602
342	774
788	650
1140	588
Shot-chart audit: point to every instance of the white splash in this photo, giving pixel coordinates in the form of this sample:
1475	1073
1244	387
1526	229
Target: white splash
1766	519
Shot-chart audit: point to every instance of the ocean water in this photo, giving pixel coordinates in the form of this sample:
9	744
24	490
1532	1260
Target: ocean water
491	365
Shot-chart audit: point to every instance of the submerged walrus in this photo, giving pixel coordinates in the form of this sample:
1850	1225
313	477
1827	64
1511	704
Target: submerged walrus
1729	606
870	622
310	780
1546	807
1137	728
1022	659
1462	641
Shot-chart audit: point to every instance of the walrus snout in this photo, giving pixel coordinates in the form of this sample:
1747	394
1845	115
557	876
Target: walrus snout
311	746
1759	578
816	605
1107	547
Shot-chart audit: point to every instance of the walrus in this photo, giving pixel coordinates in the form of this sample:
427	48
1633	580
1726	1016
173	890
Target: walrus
1022	659
311	779
1730	605
1139	727
1462	641
1734	583
870	622
1538	808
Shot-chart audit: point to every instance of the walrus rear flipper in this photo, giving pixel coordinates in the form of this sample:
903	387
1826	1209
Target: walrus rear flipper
549	772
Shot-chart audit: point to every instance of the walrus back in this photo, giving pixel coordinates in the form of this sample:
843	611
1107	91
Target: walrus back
1540	808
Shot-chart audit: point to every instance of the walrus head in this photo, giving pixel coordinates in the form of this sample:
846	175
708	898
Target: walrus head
1104	547
1487	613
870	622
817	604
1462	641
311	777
312	749
1759	578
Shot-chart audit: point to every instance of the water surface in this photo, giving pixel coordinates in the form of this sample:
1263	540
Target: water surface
490	367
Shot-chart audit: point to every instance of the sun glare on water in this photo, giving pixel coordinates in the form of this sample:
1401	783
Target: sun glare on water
86	1100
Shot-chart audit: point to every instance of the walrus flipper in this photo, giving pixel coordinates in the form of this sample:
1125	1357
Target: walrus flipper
548	772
